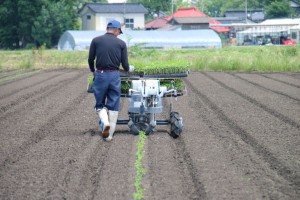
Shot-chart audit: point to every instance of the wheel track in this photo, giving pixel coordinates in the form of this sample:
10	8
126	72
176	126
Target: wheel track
284	82
274	164
32	85
42	93
99	168
183	161
38	135
96	164
183	156
255	102
93	170
265	88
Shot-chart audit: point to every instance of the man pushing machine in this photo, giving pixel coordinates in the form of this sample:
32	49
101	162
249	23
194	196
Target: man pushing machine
109	52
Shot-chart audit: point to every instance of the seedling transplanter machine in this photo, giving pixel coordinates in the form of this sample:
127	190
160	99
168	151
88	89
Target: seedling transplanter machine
146	91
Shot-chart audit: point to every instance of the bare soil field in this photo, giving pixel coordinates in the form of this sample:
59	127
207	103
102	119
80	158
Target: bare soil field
241	140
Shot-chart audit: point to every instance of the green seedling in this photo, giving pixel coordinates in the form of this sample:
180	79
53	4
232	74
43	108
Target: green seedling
139	168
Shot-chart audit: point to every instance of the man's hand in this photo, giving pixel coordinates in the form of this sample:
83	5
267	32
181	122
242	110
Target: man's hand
131	68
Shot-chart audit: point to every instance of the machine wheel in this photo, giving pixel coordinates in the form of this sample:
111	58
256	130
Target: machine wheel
176	125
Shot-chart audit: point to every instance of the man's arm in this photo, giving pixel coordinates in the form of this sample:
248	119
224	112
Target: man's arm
124	58
92	54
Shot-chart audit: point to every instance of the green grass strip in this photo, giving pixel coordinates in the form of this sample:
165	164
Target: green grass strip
18	75
140	170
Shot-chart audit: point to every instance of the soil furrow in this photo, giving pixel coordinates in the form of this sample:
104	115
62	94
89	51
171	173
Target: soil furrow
184	161
265	88
36	95
116	180
31	85
19	78
76	159
184	157
170	170
37	136
276	165
295	75
281	81
255	102
90	179
235	144
239	155
98	170
13	73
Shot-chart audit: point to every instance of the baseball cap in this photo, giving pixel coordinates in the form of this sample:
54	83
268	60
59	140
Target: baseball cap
114	24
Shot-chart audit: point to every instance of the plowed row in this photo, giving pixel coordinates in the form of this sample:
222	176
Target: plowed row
241	140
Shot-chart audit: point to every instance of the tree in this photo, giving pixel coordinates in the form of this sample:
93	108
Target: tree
41	33
279	9
9	24
39	22
16	19
155	6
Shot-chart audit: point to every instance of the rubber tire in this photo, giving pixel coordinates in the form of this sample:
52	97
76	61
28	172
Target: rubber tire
176	128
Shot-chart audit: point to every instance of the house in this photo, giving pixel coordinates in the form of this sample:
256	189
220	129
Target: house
254	15
232	20
189	18
95	16
191	23
156	23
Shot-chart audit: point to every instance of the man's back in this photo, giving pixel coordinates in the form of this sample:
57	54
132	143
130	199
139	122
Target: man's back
110	51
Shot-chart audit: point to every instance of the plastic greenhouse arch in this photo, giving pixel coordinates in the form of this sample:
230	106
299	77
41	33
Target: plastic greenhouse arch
80	40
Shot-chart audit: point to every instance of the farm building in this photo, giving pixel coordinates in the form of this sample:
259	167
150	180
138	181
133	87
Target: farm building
207	38
271	31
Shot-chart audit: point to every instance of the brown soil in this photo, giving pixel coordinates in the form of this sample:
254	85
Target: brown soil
241	140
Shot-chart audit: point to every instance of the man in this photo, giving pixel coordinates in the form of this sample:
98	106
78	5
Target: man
109	52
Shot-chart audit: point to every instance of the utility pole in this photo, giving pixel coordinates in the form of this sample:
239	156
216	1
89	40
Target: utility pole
172	7
246	10
172	20
124	13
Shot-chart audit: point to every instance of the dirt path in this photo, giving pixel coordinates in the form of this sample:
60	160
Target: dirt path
241	140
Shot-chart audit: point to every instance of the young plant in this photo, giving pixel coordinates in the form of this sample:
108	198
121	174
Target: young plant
140	170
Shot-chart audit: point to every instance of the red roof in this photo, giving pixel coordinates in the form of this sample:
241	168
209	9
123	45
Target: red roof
159	22
219	29
194	12
187	12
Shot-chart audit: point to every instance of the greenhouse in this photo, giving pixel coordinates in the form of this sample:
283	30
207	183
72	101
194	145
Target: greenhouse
80	40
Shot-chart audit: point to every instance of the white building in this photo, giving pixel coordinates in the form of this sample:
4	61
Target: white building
95	16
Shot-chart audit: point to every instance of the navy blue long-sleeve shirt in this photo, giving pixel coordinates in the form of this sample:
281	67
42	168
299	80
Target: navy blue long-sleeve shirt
109	52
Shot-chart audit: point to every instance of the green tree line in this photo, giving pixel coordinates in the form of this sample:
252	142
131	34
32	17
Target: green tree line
32	23
216	8
273	8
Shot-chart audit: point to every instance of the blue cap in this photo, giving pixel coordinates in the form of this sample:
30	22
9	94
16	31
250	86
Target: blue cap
114	24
